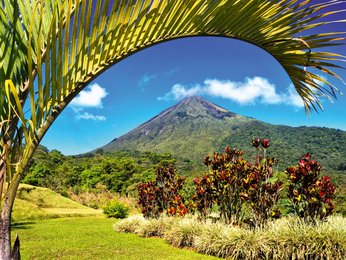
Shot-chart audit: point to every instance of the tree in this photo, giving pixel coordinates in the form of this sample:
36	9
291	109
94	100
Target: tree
50	50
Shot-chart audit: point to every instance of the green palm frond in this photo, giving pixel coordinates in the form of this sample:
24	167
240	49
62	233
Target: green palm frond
52	49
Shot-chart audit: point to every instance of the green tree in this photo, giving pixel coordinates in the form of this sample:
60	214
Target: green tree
50	50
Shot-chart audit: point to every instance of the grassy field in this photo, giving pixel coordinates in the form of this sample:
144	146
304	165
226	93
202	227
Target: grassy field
33	203
51	226
90	238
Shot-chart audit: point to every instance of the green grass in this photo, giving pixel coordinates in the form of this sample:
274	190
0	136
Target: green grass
91	238
34	203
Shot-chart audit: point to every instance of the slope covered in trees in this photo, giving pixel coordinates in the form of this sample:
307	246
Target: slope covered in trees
117	172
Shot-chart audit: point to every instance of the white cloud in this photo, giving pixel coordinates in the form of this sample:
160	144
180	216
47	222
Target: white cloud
145	80
250	91
179	92
91	97
89	116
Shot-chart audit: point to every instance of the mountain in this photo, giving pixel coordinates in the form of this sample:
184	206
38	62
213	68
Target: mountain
195	127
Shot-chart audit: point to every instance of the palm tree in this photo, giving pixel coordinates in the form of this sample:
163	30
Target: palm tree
50	50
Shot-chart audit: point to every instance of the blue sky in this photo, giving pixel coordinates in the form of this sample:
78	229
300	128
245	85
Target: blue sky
234	74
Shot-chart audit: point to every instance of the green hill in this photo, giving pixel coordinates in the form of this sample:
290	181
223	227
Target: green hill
42	203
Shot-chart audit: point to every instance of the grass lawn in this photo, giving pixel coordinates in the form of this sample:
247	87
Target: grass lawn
90	238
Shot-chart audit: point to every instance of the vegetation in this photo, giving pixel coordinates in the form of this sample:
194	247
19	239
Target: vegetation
117	172
49	54
92	180
311	197
286	238
162	194
233	186
91	238
116	209
233	181
34	203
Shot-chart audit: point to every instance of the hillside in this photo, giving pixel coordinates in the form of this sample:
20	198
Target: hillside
196	127
42	203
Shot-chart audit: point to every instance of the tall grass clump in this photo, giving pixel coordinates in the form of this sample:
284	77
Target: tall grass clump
184	233
129	225
226	241
285	238
293	238
156	227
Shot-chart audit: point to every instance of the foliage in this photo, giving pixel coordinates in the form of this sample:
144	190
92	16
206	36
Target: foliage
261	191
51	50
115	172
232	180
116	209
223	184
154	197
285	238
311	197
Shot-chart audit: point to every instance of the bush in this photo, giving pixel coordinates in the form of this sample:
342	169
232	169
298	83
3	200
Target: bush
154	197
116	209
233	181
311	197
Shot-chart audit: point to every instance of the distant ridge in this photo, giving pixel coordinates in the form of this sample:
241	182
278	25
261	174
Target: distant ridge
195	127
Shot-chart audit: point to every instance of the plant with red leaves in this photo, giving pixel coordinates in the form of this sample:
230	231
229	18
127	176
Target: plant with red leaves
310	196
257	142
204	195
154	197
147	200
261	193
233	181
222	185
265	143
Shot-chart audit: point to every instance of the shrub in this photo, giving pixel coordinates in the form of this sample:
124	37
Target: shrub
116	209
222	185
233	181
261	192
154	197
311	197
